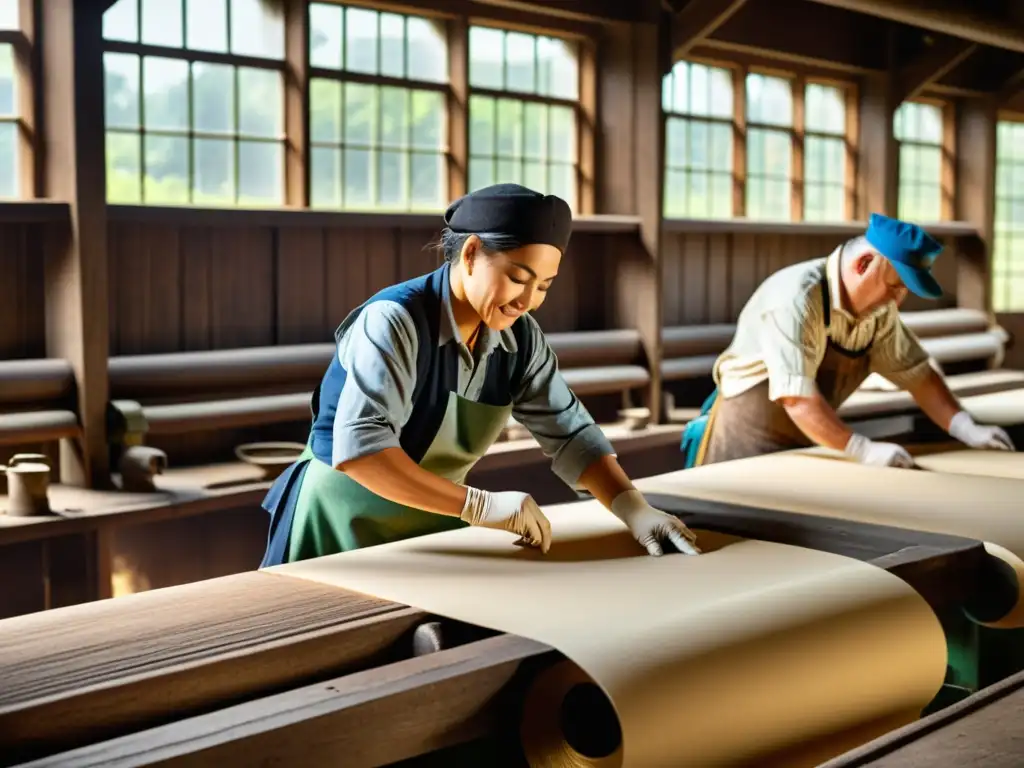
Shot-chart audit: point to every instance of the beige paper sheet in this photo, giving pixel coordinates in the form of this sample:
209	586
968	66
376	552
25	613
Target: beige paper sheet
1004	409
715	660
819	482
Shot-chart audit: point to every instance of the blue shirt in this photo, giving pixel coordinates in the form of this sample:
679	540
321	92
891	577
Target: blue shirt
378	351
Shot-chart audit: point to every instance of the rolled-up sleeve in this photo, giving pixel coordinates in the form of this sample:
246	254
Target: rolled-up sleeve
378	353
897	354
559	422
793	344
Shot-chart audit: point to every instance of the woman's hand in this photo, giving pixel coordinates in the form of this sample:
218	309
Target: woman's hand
652	527
512	511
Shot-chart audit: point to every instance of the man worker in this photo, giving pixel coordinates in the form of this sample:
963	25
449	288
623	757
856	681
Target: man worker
809	337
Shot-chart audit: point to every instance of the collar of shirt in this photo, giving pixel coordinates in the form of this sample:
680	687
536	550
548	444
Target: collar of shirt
448	332
835	290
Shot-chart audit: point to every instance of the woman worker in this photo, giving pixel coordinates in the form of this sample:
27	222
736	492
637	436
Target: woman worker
426	375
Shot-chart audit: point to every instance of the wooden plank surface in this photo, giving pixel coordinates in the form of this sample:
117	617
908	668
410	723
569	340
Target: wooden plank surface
101	669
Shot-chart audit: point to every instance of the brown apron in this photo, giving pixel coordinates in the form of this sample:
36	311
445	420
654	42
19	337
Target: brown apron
752	425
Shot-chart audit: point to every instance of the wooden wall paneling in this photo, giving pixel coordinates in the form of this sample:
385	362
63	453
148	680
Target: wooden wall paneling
345	286
744	271
696	278
144	264
377	252
417	253
301	272
196	286
720	274
771	256
561	307
242	281
22	293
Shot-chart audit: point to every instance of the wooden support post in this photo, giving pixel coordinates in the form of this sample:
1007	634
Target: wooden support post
296	105
630	173
458	106
76	270
879	160
976	182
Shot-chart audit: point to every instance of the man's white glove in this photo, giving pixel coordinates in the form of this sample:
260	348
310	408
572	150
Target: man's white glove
511	511
964	429
878	454
652	527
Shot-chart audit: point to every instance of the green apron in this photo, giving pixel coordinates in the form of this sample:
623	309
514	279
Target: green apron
334	513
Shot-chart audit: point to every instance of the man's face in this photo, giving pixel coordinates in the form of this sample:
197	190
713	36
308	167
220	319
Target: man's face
875	284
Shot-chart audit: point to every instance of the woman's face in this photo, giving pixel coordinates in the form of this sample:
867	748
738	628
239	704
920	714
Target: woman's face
502	286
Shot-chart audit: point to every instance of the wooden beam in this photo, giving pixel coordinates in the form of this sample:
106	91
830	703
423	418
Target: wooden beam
941	58
698	20
636	11
878	151
976	183
954	19
1009	90
76	270
630	172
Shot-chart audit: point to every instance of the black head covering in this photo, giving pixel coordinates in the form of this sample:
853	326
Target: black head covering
510	209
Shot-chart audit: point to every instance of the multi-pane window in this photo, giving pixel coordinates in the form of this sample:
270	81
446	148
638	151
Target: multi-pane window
698	104
8	104
194	102
378	114
824	153
1008	261
918	129
769	147
524	97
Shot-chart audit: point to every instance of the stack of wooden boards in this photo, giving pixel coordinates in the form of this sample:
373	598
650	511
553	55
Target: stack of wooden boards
813	624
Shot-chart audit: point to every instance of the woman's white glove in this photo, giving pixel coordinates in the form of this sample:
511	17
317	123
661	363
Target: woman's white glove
651	527
963	428
874	454
511	511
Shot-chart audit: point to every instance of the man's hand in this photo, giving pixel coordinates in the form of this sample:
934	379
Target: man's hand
963	428
652	527
878	454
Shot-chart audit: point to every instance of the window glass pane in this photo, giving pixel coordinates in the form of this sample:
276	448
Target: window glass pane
361	40
326	35
325	110
428	120
166	180
120	21
325	177
720	92
165	94
427	50
213	180
520	62
260	172
360	113
120	86
206	23
8	160
394	117
124	168
213	98
562	136
260	107
486	57
162	23
8	14
700	84
359	167
427	181
392	45
1008	256
558	68
825	109
769	100
257	28
482	125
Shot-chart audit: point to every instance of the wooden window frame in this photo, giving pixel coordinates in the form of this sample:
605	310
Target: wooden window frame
192	56
584	107
27	75
947	149
798	79
851	113
708	120
449	89
998	276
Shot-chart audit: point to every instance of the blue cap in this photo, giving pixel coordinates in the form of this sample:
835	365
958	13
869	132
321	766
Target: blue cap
910	250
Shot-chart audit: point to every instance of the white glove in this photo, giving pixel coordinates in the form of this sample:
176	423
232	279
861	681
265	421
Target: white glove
511	511
650	526
878	454
964	429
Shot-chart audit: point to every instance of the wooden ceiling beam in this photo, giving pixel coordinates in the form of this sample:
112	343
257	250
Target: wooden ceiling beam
953	19
697	21
1013	87
935	63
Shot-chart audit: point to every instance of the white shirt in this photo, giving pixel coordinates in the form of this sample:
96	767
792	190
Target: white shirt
781	336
